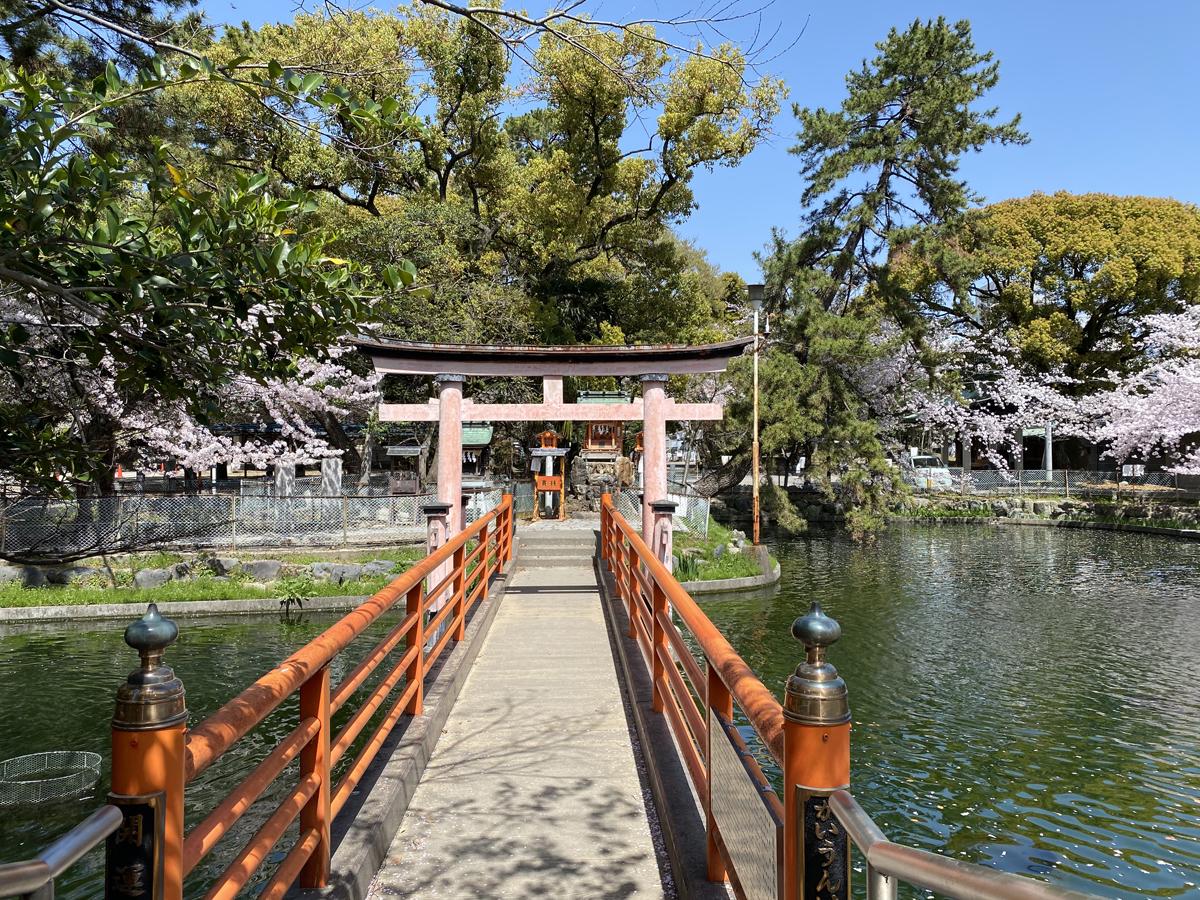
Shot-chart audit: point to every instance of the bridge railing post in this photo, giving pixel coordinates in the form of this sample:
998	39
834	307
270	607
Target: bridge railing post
414	602
316	813
719	701
144	856
659	650
505	524
631	586
605	499
485	558
816	762
458	595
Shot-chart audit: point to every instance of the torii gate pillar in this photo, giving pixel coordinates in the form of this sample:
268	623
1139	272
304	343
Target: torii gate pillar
654	449
449	466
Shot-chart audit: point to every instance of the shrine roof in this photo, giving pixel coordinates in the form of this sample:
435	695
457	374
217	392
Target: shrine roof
416	358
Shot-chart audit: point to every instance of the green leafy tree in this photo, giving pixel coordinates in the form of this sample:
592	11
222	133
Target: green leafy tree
123	283
881	165
531	186
1066	278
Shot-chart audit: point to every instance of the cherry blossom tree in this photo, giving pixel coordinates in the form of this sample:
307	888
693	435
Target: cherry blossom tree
1157	410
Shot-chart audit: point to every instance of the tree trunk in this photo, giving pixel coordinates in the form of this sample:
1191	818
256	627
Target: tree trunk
337	438
728	475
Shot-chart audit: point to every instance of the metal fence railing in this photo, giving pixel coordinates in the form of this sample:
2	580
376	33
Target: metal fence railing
1045	482
522	492
691	512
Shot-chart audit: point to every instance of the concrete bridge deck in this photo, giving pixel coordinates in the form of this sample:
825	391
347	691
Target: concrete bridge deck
533	789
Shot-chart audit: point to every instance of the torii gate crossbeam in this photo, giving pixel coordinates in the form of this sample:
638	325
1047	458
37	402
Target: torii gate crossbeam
449	364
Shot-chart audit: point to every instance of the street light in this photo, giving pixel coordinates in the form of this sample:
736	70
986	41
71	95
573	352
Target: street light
755	293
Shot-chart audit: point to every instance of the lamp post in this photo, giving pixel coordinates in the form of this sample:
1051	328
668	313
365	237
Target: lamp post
755	293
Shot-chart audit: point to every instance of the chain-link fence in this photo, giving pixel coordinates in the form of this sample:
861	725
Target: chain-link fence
115	524
1045	482
523	498
480	504
377	485
691	512
53	528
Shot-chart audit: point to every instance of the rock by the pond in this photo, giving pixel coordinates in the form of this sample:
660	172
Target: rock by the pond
263	569
339	573
181	570
27	576
151	578
71	574
224	565
378	567
718	551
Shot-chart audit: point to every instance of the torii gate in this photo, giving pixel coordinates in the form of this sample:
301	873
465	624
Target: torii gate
450	364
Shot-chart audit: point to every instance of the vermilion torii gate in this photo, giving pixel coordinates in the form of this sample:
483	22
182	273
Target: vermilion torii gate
450	364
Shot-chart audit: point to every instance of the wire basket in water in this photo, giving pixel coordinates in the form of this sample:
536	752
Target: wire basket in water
52	775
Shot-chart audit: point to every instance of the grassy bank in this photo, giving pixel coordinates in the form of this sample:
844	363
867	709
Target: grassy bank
204	586
711	567
944	512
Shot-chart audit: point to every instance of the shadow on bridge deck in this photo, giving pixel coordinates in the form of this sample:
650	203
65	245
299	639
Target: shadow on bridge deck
534	789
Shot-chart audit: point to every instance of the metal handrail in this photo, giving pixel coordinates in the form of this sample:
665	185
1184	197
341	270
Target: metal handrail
888	863
35	877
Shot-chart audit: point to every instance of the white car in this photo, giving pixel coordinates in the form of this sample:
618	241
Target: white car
931	474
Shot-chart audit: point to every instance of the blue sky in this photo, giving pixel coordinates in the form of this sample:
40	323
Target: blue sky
1107	92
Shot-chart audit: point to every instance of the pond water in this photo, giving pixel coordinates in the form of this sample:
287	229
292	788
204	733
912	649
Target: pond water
1023	697
1027	698
57	687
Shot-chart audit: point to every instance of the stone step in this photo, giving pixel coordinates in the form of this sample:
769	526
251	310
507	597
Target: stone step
547	536
529	547
579	556
554	562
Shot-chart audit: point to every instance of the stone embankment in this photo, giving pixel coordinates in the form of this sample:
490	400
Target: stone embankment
1054	508
218	568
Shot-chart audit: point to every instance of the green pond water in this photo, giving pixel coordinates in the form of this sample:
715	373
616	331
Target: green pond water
57	686
1026	698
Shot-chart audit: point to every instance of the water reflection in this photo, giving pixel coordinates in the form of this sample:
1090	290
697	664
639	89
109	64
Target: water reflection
57	686
1024	697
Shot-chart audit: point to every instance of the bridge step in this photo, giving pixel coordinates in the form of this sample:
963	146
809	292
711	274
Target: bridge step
543	538
583	551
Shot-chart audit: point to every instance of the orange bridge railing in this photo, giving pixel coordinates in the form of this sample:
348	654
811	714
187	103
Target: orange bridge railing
154	758
790	847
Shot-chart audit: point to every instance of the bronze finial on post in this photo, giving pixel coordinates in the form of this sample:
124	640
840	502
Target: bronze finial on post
816	693
152	696
144	857
816	762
